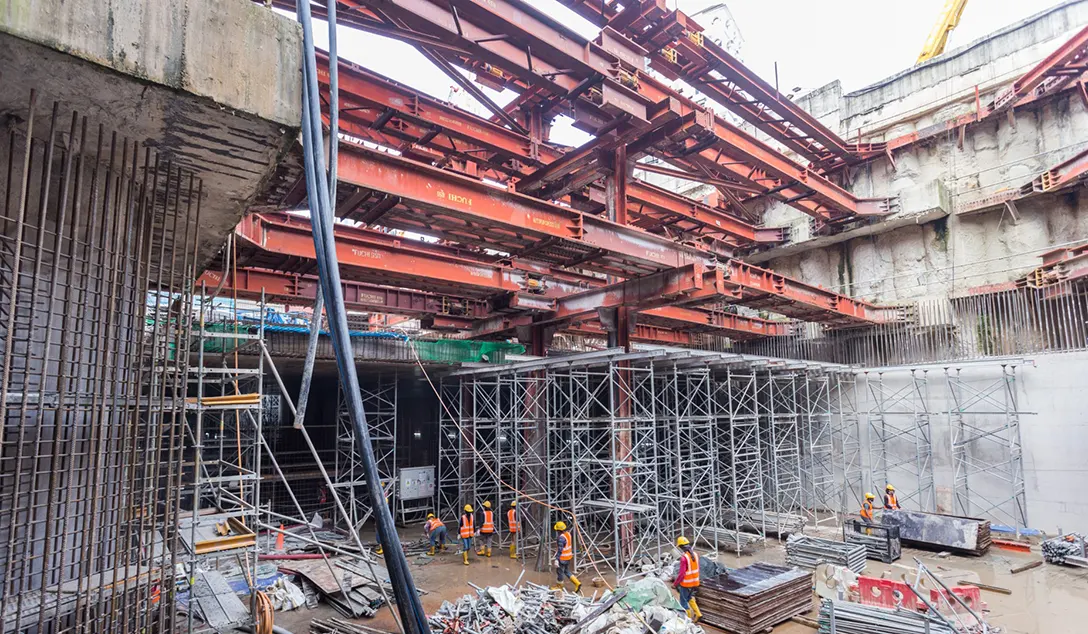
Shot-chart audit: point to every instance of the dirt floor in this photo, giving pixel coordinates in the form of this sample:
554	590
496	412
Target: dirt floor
1045	600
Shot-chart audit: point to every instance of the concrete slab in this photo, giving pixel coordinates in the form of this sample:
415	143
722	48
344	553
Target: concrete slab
213	85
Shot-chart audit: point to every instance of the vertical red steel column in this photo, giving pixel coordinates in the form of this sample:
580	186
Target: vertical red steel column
621	337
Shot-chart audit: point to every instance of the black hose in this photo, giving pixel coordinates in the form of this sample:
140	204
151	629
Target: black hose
413	618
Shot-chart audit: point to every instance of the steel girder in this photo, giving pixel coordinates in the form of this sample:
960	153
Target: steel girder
1058	70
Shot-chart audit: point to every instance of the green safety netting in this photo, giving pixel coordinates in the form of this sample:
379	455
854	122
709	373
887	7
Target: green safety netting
461	351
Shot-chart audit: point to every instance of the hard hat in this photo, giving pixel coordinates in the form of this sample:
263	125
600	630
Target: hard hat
430	516
468	508
889	488
682	541
514	503
560	526
870	496
487	505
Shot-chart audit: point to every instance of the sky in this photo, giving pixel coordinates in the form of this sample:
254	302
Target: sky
813	42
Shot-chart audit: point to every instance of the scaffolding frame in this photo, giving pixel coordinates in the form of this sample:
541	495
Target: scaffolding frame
380	404
984	420
779	426
822	503
847	430
901	439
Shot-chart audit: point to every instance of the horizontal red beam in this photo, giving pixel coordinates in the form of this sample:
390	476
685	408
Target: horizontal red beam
301	289
1060	68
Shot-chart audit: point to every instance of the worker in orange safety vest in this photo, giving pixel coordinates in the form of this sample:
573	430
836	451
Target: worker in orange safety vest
466	531
513	527
435	529
564	557
891	503
487	529
687	580
867	511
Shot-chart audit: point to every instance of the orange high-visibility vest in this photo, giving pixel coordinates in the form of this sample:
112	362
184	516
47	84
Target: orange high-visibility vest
512	519
467	526
434	523
691	575
489	523
867	510
890	501
568	547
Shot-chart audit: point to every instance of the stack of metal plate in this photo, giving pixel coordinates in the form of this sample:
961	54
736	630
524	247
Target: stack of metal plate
966	535
881	542
841	617
755	598
807	552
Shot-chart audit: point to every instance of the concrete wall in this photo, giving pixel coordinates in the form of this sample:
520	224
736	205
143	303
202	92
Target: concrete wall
213	85
1053	437
928	248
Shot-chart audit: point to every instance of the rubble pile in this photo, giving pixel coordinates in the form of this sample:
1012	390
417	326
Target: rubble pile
536	609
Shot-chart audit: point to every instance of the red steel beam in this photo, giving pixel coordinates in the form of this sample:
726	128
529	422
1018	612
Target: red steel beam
301	289
1057	70
365	96
422	187
502	32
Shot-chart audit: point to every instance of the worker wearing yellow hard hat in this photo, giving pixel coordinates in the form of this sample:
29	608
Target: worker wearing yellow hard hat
867	511
435	529
512	526
891	502
564	557
466	531
487	529
687	579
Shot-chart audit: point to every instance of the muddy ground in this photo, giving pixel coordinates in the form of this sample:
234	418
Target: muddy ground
1045	600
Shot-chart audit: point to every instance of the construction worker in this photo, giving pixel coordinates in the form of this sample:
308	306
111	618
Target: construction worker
867	511
891	503
512	526
467	530
687	581
487	529
564	557
436	533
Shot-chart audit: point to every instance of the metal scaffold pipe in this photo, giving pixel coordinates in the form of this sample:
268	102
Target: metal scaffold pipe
317	188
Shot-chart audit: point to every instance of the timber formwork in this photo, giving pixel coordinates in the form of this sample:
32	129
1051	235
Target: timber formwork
638	447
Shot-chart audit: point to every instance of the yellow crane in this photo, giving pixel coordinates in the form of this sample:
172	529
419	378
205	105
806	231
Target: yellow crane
938	37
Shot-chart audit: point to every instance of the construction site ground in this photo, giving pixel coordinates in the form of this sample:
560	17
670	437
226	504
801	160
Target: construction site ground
1044	600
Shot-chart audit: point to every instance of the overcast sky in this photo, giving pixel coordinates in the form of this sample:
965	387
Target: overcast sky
813	41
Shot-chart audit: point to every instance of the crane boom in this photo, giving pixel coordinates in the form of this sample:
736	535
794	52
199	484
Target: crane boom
938	36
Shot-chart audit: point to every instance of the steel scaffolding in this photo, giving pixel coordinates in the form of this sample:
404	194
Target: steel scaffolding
222	492
632	448
380	405
822	502
900	438
987	456
781	447
847	431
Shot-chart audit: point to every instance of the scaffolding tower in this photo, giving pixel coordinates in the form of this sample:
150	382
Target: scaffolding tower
987	455
822	503
222	486
380	404
744	460
781	448
847	431
900	437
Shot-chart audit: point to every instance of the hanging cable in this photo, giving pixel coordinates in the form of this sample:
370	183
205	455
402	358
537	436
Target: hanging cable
317	188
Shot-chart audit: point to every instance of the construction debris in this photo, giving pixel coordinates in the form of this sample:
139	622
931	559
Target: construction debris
881	542
1067	550
771	522
340	626
755	598
808	552
1025	567
536	609
934	531
842	617
983	586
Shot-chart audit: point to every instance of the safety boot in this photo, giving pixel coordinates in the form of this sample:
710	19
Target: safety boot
577	584
464	555
380	550
695	610
488	551
431	551
442	548
480	552
557	586
513	551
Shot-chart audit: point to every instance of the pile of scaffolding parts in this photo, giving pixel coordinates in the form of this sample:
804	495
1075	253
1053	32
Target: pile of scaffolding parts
1066	550
534	609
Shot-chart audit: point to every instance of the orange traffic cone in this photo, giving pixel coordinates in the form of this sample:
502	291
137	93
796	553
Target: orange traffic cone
279	539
